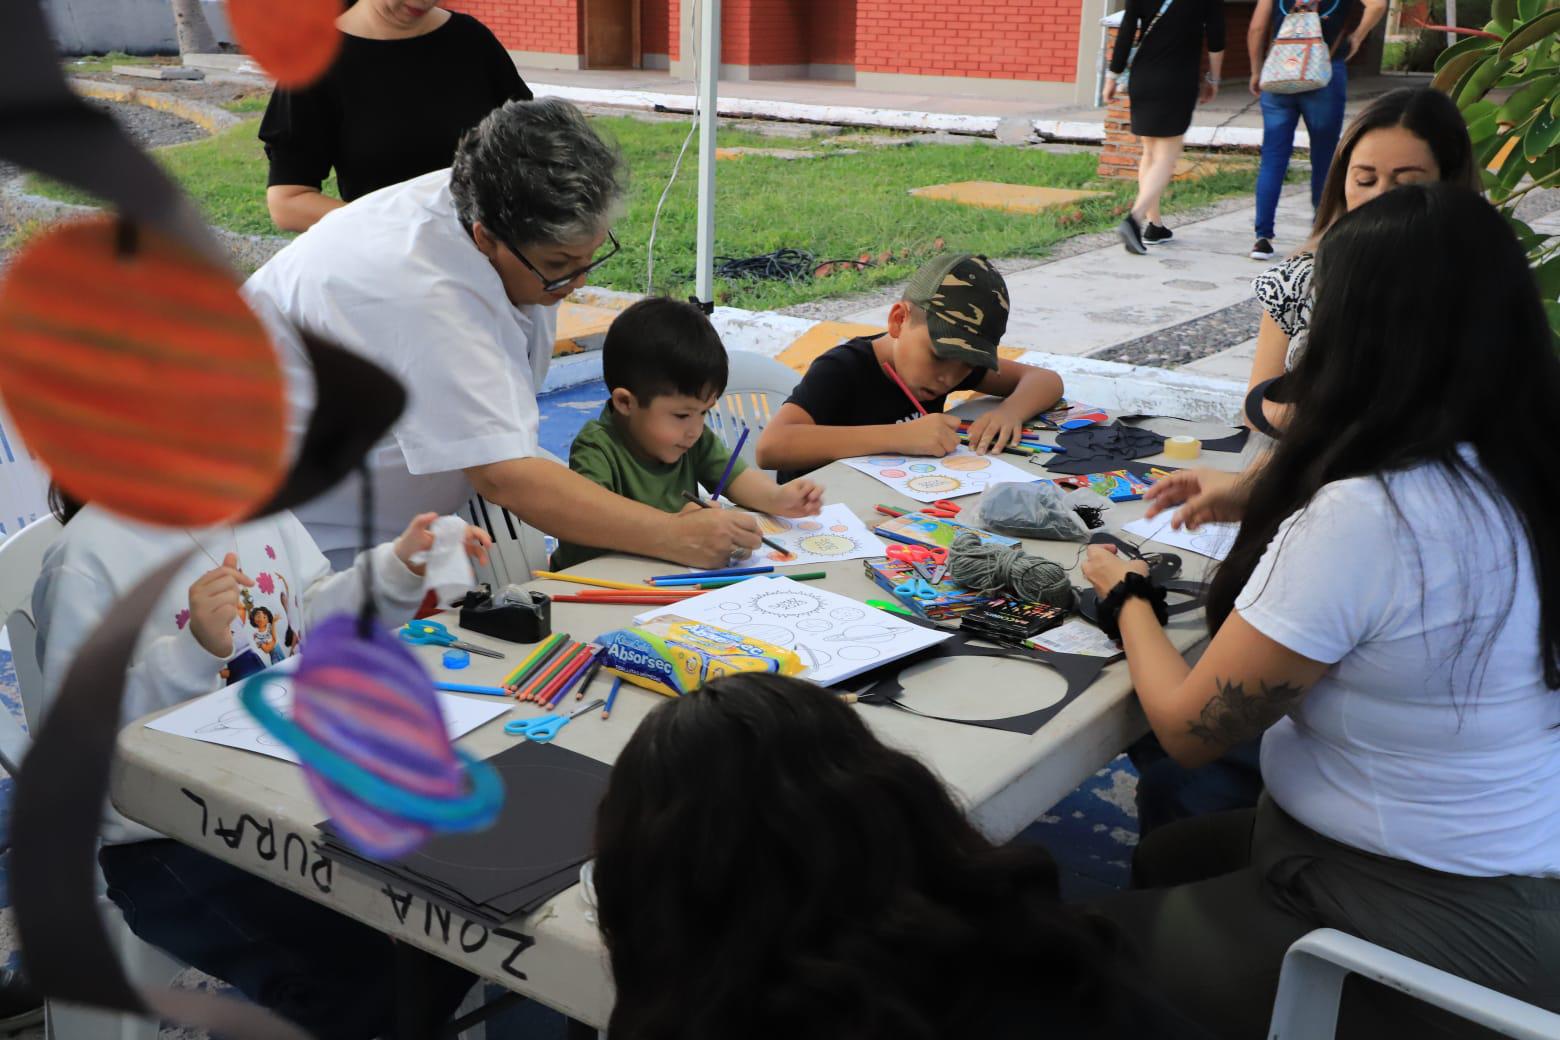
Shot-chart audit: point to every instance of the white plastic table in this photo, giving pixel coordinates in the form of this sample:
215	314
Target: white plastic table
255	812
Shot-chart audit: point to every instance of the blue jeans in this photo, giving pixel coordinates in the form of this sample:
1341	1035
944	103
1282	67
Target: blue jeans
1322	111
321	969
1168	792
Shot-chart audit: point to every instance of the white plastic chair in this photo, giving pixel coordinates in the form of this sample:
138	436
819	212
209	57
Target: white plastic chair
756	387
1311	983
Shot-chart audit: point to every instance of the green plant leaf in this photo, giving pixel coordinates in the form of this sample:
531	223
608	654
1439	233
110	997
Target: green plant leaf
1466	45
1547	275
1453	71
1480	80
1529	9
1541	136
1530	32
1503	15
1552	309
1530	96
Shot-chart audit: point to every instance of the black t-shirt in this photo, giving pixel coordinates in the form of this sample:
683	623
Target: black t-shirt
846	386
389	110
1336	17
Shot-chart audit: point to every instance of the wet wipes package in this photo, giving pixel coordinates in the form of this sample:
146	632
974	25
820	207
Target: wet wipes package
673	655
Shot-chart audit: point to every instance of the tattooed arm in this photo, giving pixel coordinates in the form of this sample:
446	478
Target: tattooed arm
1243	684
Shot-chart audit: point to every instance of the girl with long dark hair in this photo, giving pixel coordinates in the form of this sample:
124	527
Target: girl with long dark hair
1389	621
766	868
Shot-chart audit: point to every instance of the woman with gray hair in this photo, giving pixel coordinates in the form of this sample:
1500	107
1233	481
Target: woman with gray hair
451	281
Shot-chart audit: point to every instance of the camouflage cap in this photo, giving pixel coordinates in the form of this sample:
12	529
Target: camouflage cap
966	305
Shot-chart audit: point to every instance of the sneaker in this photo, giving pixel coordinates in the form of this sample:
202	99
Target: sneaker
1131	235
1155	234
1263	250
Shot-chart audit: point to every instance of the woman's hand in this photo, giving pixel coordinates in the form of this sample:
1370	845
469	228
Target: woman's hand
1109	93
1205	496
215	605
1105	568
418	539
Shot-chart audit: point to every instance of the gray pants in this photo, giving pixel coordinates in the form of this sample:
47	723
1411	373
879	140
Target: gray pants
1218	899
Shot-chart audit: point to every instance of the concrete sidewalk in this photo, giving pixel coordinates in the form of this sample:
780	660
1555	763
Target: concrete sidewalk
1233	119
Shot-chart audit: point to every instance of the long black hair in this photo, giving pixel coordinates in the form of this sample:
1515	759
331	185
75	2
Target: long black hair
766	868
1427	334
1424	112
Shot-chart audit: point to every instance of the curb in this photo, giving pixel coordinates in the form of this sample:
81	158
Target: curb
208	117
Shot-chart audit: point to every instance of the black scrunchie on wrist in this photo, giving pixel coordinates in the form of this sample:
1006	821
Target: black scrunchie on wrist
1133	586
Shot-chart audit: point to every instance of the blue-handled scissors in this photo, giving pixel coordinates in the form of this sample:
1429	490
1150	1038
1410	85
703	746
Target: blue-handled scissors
916	588
545	727
433	633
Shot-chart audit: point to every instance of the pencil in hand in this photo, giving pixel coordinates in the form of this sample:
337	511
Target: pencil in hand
776	546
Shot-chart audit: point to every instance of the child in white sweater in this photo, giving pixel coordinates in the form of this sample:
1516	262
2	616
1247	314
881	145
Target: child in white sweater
244	600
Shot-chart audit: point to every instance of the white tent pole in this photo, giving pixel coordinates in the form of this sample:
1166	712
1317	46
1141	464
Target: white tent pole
709	79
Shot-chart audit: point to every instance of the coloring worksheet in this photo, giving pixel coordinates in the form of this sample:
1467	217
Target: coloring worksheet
834	534
219	718
835	636
1213	540
952	476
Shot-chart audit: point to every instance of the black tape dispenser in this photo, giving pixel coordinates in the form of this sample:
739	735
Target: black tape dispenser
515	614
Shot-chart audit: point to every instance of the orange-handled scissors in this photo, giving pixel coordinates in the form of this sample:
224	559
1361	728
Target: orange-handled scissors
943	510
931	564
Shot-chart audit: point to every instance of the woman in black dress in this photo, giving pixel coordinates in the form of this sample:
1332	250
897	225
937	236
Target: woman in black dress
1165	89
409	80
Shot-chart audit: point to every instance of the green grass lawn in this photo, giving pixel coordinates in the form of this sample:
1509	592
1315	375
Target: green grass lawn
102	64
838	207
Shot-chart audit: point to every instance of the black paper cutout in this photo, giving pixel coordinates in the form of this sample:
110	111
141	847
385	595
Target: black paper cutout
1234	443
64	779
47	128
1100	449
884	684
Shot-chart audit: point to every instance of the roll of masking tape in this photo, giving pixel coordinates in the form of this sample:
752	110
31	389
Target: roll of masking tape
1182	447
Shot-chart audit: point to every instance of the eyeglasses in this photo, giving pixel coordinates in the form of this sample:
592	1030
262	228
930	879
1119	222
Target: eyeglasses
554	284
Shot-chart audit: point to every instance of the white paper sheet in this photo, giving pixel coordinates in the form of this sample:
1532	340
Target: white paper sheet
835	636
219	718
1212	540
953	476
833	535
1076	637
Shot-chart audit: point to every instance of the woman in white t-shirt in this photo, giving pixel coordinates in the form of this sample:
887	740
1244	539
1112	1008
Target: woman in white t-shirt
1389	621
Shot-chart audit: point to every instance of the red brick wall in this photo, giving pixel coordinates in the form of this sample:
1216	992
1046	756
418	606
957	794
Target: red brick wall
832	31
655	27
1237	19
549	26
995	39
776	31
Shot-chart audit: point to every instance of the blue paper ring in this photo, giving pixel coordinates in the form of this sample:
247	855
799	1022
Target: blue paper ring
477	808
455	660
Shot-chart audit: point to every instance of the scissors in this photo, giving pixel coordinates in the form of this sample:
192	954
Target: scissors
433	633
930	564
545	727
915	588
943	510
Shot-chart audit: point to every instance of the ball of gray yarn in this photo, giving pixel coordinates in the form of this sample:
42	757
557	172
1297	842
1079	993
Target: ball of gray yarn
989	568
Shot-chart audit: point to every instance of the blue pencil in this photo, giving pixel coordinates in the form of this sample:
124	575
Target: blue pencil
606	712
720	489
729	572
673	583
455	687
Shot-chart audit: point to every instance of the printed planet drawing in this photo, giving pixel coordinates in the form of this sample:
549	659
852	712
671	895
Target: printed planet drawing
276	695
835	637
835	534
926	480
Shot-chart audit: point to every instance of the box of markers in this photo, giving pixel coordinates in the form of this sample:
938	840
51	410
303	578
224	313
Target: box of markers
952	599
934	532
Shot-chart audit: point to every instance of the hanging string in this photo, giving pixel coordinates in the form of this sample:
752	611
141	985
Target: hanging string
368	611
988	568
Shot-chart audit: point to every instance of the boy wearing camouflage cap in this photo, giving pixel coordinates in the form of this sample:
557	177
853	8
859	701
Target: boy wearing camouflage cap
942	337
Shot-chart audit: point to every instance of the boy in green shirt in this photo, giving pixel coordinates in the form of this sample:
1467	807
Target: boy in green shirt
665	368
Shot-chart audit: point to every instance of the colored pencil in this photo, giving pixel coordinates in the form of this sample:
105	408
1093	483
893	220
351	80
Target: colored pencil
600	583
558	647
721	583
728	572
549	692
546	675
901	384
720	489
578	680
655	601
617	684
543	650
890	510
696	500
455	687
590	673
668	593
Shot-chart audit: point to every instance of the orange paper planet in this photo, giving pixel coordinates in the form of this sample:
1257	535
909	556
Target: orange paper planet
294	40
138	376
